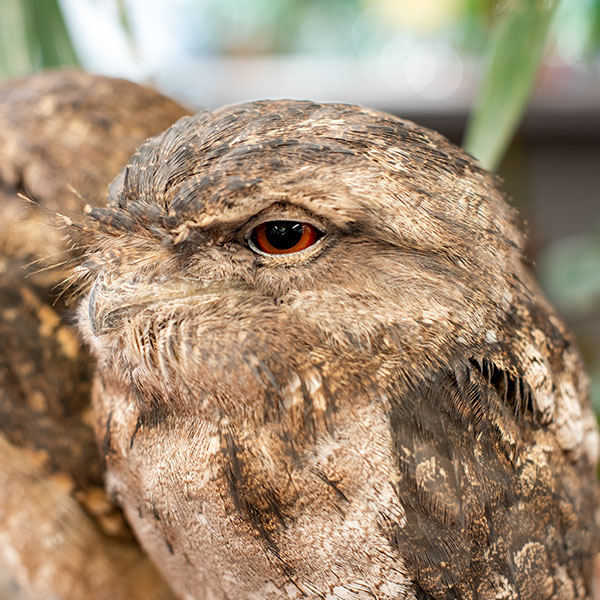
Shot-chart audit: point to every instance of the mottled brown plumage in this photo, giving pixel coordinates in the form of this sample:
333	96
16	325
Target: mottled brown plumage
63	137
395	412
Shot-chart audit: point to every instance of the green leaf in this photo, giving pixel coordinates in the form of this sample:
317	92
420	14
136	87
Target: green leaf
33	36
515	53
49	35
126	25
15	51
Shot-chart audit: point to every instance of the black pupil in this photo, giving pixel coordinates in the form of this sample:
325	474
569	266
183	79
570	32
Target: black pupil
283	235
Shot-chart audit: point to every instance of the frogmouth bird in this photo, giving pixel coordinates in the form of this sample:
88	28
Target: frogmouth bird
324	369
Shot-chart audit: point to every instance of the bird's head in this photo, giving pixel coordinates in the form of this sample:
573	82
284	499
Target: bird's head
261	240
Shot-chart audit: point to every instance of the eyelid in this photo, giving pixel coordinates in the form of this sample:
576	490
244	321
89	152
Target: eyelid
298	215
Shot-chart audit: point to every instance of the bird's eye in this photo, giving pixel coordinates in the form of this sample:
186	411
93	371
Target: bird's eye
283	237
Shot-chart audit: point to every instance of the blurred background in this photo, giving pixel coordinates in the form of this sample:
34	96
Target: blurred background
516	82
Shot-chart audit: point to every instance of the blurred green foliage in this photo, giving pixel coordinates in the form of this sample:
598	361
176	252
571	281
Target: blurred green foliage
33	36
346	27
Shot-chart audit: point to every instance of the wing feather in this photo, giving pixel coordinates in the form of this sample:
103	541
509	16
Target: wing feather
488	514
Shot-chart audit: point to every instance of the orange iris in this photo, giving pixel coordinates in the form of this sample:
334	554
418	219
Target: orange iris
284	237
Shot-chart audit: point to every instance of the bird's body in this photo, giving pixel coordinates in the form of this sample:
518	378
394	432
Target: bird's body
393	412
